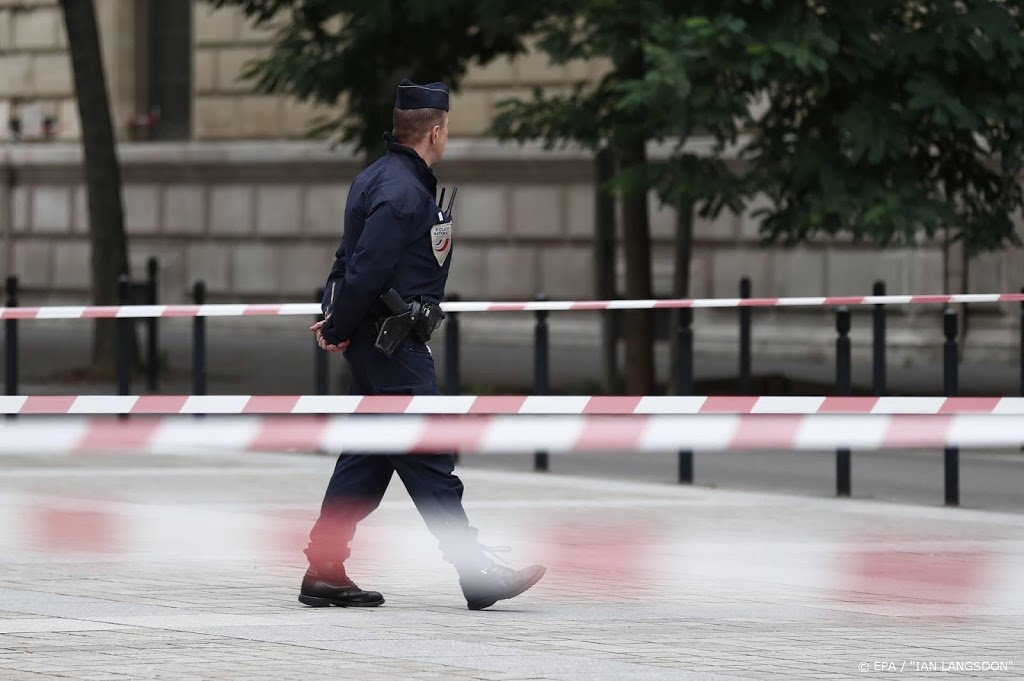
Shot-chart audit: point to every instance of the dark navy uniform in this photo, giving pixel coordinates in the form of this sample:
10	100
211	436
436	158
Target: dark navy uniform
388	243
396	237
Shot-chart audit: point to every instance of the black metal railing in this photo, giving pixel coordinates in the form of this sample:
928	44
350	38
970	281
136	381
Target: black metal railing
541	371
844	386
683	337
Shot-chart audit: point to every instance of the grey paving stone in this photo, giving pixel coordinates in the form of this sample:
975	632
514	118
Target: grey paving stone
645	582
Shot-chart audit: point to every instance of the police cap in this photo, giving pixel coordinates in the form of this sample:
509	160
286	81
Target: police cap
429	96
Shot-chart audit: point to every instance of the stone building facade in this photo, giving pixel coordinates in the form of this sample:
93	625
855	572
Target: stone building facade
223	188
138	53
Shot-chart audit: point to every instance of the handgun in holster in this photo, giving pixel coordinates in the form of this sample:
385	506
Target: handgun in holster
417	319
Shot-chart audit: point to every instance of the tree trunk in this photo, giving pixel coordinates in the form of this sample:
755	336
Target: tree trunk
639	324
680	281
102	171
631	150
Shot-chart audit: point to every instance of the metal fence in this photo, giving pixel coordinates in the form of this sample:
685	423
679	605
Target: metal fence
683	336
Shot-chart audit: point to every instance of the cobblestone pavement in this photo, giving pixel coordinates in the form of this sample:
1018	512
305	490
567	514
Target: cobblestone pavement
188	568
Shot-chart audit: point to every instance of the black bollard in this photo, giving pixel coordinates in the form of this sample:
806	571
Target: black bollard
123	332
11	339
199	342
878	343
540	372
451	350
745	319
451	353
152	340
685	382
320	379
843	388
604	262
952	387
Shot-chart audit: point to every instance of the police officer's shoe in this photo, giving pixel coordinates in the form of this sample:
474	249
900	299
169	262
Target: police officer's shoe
327	584
485	585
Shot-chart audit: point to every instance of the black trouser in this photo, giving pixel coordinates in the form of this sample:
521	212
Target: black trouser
359	480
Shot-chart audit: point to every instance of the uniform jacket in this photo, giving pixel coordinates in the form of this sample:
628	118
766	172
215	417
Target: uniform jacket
389	214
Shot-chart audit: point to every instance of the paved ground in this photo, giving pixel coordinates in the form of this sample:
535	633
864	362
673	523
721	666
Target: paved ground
188	567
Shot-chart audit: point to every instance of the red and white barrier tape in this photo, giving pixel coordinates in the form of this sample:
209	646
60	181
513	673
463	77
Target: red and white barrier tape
411	433
311	309
499	404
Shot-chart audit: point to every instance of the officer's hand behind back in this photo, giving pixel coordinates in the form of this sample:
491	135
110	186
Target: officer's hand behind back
322	342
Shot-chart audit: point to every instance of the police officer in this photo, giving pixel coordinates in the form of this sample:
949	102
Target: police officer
397	241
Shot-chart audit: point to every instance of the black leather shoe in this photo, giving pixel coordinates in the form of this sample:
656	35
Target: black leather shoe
329	585
485	586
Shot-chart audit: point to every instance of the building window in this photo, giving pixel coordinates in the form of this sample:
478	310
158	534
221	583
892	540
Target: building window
165	61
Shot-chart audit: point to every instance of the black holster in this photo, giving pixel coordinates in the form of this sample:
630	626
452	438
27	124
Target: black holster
415	319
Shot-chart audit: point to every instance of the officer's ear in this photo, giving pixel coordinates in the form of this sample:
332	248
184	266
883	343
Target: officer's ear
435	132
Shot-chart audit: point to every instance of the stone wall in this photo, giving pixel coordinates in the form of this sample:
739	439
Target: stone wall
260	222
225	107
36	80
35	72
524	222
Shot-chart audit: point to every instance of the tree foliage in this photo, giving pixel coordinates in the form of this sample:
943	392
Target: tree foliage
906	118
682	83
326	51
669	77
884	120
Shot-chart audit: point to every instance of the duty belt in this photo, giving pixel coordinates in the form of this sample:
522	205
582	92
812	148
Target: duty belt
415	319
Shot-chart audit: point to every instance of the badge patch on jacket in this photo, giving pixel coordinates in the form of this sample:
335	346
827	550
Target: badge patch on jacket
441	241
